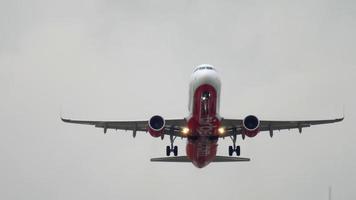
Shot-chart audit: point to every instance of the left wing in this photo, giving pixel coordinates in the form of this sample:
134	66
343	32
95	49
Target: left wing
173	126
234	126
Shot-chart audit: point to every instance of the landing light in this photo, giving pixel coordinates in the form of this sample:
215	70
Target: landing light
185	130
221	130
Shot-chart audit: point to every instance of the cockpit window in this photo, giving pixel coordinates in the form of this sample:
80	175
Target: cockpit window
205	67
205	96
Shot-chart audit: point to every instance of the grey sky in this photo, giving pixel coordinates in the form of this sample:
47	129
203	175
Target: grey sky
126	60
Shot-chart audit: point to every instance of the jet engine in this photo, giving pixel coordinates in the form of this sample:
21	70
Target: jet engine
251	126
156	126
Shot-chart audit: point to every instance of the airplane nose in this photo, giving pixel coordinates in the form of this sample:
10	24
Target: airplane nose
206	77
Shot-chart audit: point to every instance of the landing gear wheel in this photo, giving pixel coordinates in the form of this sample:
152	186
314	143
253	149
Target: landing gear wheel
237	150
231	150
175	151
168	150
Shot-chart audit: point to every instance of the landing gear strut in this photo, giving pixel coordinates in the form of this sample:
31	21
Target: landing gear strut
172	149
234	148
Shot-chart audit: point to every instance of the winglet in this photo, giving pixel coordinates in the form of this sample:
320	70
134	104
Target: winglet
343	115
65	120
61	114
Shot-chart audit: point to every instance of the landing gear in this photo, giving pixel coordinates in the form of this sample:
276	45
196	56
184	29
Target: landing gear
237	150
175	151
172	149
231	150
168	150
234	148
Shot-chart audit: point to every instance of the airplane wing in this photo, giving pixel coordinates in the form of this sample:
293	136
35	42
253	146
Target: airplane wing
235	125
173	126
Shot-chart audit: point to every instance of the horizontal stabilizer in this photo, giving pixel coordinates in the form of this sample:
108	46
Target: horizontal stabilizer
230	159
171	159
186	159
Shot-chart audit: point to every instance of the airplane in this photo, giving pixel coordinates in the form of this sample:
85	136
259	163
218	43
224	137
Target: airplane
204	126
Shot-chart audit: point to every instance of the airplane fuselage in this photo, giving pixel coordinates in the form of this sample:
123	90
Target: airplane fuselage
204	119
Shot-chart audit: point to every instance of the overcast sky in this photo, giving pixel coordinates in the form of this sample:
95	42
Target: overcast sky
129	60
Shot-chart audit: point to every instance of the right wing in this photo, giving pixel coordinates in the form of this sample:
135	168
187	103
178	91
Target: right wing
234	126
173	127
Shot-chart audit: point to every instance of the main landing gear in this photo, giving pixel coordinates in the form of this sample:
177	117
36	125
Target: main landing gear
234	148
172	149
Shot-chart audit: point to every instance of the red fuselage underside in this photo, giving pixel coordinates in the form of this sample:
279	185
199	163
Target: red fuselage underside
204	123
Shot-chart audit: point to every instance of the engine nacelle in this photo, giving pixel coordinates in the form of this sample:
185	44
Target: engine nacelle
251	126
156	126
